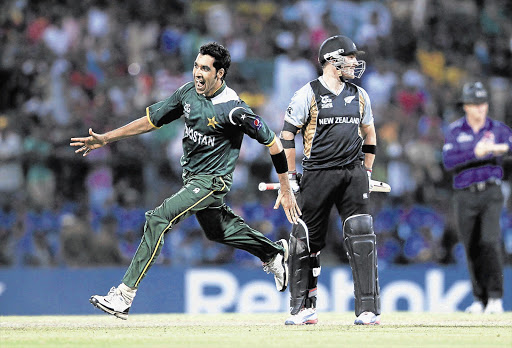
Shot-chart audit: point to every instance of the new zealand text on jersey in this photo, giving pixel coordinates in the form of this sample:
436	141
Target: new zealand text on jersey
198	137
333	120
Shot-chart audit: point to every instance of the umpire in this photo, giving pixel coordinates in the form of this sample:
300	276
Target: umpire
473	151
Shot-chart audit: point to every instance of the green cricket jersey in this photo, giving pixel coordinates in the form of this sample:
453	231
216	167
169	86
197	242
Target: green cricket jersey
214	127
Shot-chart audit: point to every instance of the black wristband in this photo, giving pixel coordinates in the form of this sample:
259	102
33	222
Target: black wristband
280	162
369	148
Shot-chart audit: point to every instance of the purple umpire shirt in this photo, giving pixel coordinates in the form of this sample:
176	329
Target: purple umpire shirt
459	152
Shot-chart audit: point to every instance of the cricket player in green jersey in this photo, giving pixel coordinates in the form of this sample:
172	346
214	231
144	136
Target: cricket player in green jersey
215	123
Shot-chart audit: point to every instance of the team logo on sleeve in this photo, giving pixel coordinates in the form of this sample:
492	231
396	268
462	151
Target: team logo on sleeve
257	123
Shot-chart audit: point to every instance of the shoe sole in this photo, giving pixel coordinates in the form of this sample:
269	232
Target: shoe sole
307	322
107	310
363	323
285	264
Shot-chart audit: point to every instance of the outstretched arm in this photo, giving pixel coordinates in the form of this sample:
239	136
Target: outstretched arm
95	140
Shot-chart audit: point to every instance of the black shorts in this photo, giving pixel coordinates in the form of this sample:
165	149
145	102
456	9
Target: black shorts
320	190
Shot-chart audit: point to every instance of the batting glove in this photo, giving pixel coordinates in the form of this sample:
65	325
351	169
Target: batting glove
294	181
370	185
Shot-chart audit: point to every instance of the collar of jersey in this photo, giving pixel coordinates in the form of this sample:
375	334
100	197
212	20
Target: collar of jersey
467	127
322	81
218	91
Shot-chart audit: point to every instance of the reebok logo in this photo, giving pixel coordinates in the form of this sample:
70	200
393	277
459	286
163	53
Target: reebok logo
196	190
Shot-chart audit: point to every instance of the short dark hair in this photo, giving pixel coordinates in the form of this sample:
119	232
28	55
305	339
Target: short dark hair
219	53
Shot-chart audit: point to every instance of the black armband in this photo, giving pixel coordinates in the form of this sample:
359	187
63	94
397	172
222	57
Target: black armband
287	126
280	162
369	148
288	144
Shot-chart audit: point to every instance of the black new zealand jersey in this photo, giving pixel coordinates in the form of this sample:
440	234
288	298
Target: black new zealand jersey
330	123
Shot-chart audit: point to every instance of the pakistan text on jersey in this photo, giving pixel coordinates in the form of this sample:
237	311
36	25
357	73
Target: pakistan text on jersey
198	137
333	120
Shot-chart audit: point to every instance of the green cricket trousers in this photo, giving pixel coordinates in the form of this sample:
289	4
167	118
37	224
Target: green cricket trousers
202	195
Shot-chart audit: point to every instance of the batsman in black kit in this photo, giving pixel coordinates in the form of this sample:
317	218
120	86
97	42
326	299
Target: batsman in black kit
336	122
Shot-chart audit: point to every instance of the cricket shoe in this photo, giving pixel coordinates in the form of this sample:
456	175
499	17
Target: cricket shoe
279	267
494	306
476	308
367	318
113	303
306	316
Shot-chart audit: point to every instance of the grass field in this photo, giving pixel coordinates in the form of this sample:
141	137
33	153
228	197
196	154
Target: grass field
399	329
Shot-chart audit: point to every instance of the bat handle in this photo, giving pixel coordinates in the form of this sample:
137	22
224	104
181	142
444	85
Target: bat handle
263	186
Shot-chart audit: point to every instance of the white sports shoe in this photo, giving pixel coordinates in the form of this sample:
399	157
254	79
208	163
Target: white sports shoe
279	267
476	308
367	318
306	316
494	306
114	303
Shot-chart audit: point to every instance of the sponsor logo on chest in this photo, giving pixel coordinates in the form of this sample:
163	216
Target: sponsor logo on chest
464	138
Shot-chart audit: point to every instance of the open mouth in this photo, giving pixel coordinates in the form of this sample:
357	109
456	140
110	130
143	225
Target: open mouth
199	84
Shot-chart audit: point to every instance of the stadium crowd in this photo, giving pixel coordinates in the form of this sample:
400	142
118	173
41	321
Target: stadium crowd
68	66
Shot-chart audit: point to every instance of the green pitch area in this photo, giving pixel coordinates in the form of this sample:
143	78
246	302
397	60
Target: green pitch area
256	330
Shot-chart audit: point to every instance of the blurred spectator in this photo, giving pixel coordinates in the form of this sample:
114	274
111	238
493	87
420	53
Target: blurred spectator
291	72
389	248
55	37
10	230
41	179
506	225
105	250
215	253
100	181
11	170
186	242
75	241
410	95
98	22
380	82
38	243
